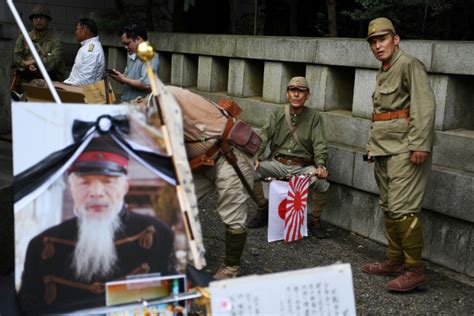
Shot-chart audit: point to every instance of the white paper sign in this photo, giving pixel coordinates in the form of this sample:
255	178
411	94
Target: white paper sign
317	291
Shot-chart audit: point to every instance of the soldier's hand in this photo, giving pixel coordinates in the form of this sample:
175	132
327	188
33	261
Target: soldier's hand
321	172
418	157
256	164
32	68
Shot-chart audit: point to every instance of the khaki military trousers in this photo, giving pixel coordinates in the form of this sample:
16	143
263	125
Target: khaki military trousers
402	185
275	169
232	200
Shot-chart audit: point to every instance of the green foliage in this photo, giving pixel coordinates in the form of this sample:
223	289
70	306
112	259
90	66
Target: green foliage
409	16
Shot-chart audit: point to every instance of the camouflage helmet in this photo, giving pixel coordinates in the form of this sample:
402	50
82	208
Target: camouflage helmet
380	26
40	10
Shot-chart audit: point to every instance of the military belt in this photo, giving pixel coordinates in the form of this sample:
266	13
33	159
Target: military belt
293	161
385	116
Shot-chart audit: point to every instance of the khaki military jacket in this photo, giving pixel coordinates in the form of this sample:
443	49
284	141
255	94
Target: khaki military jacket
403	85
310	133
50	50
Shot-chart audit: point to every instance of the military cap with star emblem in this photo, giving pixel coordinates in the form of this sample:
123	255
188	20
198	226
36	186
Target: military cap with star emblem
298	83
380	26
102	156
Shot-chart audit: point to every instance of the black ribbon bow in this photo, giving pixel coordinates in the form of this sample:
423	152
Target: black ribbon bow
104	124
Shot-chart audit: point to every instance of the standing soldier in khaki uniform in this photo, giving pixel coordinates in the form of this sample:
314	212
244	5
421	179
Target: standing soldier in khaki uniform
48	46
298	146
400	144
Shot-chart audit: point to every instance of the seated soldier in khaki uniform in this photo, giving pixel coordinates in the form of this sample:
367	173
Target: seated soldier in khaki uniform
46	43
400	144
298	146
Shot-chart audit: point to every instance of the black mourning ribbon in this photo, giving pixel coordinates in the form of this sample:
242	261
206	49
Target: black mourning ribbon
117	123
32	178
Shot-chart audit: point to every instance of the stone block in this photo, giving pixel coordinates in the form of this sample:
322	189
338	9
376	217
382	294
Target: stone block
423	50
164	70
245	78
448	242
355	211
455	149
439	84
450	193
184	70
276	76
454	97
199	44
212	74
450	57
350	52
340	164
331	87
459	100
364	178
346	167
276	48
341	127
255	111
364	86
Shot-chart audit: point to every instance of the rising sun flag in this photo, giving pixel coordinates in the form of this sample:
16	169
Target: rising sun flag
296	204
287	212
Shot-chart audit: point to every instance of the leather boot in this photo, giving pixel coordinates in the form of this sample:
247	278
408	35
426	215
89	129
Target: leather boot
234	247
386	267
412	277
314	222
261	218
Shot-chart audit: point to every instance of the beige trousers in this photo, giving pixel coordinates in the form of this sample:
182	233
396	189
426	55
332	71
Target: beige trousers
232	200
402	185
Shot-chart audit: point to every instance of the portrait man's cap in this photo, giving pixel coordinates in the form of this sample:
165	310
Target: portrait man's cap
102	156
40	10
380	26
298	83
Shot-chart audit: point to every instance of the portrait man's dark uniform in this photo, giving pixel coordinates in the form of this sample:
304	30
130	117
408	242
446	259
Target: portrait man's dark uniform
62	269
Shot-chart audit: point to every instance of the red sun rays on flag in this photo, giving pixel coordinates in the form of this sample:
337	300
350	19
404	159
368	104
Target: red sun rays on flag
295	206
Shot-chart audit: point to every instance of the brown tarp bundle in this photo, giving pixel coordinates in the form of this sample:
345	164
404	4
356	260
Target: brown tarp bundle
201	120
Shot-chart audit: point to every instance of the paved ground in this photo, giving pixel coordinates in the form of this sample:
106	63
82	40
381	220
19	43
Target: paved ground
446	292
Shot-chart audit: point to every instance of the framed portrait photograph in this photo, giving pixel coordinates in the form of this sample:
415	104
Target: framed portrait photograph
95	202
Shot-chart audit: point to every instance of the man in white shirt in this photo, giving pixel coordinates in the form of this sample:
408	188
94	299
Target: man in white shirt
89	64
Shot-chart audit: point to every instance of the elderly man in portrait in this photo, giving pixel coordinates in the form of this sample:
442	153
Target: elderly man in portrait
67	265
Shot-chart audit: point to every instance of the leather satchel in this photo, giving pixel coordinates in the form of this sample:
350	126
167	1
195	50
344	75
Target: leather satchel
244	138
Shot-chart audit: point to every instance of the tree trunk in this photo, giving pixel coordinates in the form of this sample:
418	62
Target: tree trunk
179	19
332	24
120	7
232	16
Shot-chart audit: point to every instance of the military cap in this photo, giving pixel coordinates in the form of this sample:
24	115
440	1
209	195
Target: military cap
380	26
40	10
102	156
298	83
